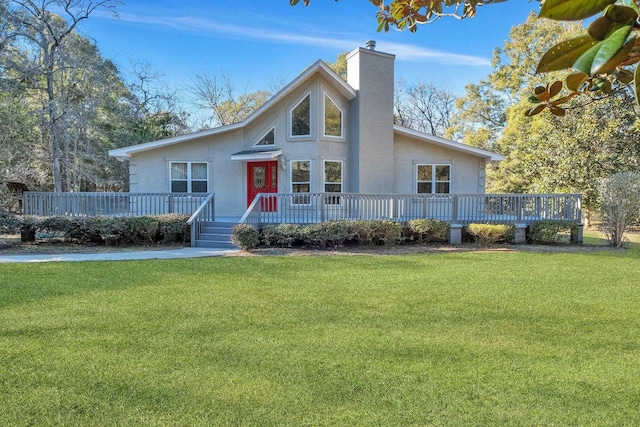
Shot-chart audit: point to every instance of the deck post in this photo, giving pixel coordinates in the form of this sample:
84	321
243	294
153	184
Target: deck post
520	236
577	235
455	234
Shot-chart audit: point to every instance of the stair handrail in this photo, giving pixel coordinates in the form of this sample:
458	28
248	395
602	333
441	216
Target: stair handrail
195	220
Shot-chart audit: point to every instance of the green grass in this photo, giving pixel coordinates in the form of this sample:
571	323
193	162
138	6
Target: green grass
462	338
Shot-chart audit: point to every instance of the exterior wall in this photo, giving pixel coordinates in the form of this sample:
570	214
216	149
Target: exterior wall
467	171
371	137
150	171
227	179
374	158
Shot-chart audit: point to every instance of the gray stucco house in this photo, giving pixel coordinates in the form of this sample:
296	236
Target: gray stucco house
320	134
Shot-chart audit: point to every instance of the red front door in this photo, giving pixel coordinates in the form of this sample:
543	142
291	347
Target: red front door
262	177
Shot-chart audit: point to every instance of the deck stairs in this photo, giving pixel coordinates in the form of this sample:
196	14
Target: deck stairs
217	235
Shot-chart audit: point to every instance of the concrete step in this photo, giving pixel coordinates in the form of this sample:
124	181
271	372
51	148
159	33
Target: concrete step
215	245
216	235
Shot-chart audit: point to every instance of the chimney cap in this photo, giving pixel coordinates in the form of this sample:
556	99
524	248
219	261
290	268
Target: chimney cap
370	44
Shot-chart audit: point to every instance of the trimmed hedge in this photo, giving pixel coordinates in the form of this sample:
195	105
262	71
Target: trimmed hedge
552	231
245	236
100	230
429	230
9	223
490	234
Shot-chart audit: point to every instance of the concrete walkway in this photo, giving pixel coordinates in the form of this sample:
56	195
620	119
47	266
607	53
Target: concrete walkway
120	256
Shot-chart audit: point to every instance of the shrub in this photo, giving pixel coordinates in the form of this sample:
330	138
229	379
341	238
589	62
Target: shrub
9	223
283	235
620	205
429	230
331	233
490	234
174	228
377	232
246	236
112	231
551	231
57	226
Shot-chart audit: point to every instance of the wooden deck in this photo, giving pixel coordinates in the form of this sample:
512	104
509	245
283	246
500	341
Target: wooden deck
307	208
461	209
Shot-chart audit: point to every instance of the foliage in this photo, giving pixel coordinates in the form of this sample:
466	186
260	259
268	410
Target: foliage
430	230
9	223
283	235
620	196
490	234
603	58
330	233
145	230
63	106
318	340
545	153
551	231
378	232
245	236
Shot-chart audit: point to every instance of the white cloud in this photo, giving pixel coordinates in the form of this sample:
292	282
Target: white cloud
403	52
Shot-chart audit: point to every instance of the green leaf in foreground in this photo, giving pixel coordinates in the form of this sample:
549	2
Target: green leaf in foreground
572	10
565	54
613	47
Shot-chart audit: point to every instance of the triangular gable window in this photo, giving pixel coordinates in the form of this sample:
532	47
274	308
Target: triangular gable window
301	118
268	139
332	118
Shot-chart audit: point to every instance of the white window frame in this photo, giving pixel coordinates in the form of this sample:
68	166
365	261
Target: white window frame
324	117
325	182
189	179
273	128
291	135
292	182
433	180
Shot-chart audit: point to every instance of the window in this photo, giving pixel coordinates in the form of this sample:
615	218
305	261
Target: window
268	139
332	118
434	179
301	118
332	180
188	177
300	180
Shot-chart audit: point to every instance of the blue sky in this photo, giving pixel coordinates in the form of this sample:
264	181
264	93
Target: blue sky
258	42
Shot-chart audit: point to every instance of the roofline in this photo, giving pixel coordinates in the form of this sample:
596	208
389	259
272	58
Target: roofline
126	152
458	146
318	67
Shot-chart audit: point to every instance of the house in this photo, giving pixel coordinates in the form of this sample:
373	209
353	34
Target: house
319	134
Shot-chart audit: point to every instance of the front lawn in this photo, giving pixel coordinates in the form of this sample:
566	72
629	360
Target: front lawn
460	338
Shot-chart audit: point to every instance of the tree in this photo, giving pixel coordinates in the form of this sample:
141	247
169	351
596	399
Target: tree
603	57
33	25
620	195
424	107
217	96
546	153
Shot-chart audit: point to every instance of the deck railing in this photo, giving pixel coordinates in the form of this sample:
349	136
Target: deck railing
110	204
198	220
454	208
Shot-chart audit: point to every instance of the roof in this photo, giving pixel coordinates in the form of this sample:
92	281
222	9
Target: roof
447	143
257	154
319	67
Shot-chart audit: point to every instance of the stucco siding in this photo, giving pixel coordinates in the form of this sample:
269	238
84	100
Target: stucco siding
467	172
